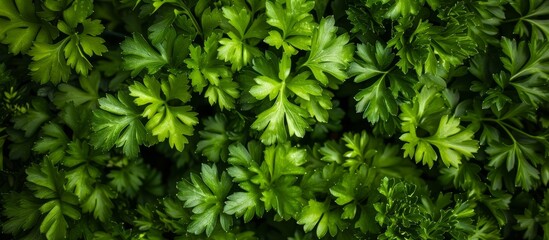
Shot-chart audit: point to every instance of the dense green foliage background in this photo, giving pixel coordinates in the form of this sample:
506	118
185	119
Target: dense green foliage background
277	119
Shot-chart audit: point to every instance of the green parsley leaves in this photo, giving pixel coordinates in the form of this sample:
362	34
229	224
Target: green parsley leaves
168	117
117	122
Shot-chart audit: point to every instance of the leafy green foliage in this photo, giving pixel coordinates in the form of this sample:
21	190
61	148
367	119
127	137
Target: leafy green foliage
451	139
53	142
319	214
360	153
295	23
243	32
517	153
31	121
83	180
168	118
400	9
217	135
22	211
213	73
442	133
352	168
437	47
532	20
330	54
268	176
80	43
2	141
52	62
406	213
99	202
205	194
128	178
534	219
86	95
423	43
376	101
49	63
277	83
138	55
22	26
519	89
47	184
452	143
118	122
532	87
482	19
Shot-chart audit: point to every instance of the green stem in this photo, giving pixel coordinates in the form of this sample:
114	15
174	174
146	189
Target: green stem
500	123
189	14
507	127
540	138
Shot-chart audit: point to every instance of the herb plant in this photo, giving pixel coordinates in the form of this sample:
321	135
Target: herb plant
274	119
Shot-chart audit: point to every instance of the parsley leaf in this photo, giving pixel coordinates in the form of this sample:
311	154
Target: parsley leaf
272	121
451	139
138	55
118	122
482	19
47	184
378	102
99	202
245	163
520	156
533	221
527	73
205	194
319	214
453	143
21	27
52	62
273	178
244	33
360	153
86	95
405	211
100	119
83	170
168	117
78	11
79	43
219	132
22	211
355	164
330	54
129	177
430	46
35	116
516	58
276	82
245	204
533	13
208	71
53	142
295	22
398	8
49	63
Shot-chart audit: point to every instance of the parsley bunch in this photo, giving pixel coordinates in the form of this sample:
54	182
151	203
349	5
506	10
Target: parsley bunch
274	119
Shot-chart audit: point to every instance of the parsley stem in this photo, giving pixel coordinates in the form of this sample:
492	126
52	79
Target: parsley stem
507	126
513	20
540	138
507	131
189	14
